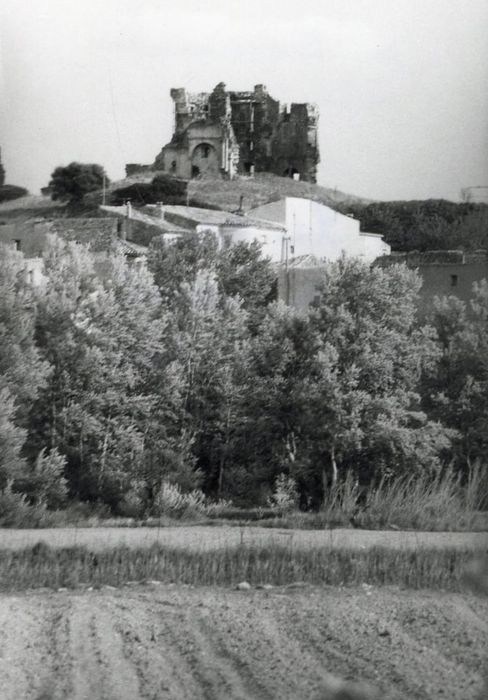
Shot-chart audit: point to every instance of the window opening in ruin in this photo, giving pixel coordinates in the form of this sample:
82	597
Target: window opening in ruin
173	166
291	172
195	171
17	243
248	167
454	280
119	226
205	151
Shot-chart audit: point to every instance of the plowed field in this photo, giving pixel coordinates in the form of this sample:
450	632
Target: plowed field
164	642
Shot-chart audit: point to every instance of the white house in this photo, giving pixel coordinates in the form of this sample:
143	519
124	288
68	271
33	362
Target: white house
315	229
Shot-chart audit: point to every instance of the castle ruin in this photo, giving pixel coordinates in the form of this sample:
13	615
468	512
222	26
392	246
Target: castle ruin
231	133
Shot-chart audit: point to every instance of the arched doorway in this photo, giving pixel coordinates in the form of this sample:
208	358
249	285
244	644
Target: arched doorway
205	159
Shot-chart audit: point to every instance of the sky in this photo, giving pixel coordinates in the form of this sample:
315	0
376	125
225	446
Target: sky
401	85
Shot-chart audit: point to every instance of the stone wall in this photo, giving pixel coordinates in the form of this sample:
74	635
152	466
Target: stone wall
97	232
27	236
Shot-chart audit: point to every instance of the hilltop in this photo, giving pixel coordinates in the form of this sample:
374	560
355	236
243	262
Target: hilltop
214	192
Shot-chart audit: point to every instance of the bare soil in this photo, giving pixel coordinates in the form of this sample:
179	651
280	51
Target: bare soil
163	642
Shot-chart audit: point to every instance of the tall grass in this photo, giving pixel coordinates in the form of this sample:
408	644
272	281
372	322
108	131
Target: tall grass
421	502
43	566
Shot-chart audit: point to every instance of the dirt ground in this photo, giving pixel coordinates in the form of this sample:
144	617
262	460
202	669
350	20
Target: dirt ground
204	537
162	642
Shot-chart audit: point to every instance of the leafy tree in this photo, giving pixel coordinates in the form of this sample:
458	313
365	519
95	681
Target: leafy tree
456	389
179	262
22	370
364	397
12	464
100	338
274	434
70	183
210	333
432	224
242	272
44	482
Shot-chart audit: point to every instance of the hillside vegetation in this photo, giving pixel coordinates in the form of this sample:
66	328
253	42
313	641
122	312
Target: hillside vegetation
213	192
431	224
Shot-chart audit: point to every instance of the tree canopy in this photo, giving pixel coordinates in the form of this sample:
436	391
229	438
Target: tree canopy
70	183
187	373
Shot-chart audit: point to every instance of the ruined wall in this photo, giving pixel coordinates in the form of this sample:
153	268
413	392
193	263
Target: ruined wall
255	133
295	146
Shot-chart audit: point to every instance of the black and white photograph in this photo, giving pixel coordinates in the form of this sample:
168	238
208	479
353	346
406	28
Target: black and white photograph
244	350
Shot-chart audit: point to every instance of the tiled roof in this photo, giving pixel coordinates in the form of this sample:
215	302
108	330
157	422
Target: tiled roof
133	250
216	217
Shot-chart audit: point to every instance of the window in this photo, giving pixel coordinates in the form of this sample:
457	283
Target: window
17	243
173	166
205	151
454	280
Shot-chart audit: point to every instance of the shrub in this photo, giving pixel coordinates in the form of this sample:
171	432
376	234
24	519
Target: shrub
170	501
48	483
10	192
163	188
285	495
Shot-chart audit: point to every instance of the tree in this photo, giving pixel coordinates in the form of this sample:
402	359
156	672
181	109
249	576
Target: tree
273	437
22	371
70	183
179	262
456	388
101	338
242	272
12	437
364	397
209	336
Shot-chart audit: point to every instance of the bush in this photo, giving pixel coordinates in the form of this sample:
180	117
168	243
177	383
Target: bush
285	495
171	502
47	483
163	188
16	511
10	192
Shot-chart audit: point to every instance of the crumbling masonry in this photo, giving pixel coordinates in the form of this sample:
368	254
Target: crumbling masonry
226	133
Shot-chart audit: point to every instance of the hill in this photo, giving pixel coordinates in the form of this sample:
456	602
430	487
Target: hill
214	192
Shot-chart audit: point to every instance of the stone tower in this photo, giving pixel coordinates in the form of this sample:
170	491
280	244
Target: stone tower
225	132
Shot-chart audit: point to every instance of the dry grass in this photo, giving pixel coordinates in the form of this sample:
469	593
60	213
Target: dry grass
44	566
258	190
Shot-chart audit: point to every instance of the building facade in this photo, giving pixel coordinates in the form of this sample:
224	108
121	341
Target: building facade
443	273
314	229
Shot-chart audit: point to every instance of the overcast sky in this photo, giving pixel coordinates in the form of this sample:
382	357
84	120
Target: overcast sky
402	85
